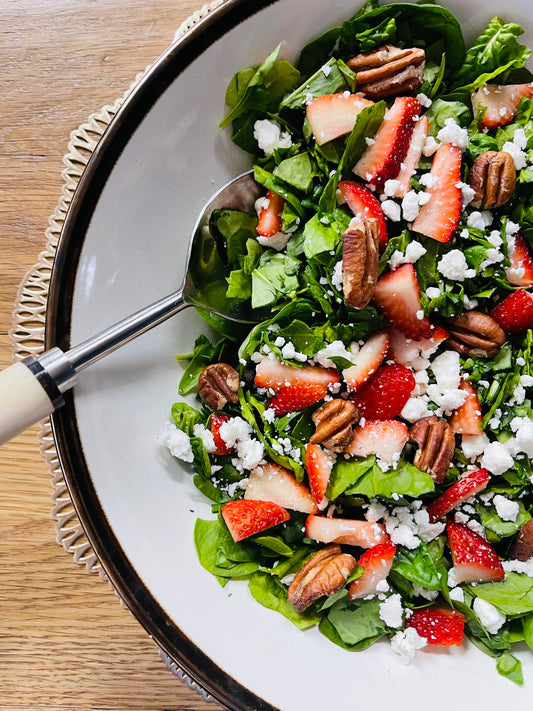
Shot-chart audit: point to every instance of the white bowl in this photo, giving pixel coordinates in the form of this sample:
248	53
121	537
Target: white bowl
123	246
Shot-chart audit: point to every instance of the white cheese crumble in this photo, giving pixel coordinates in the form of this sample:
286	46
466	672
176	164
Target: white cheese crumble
489	616
457	594
177	442
453	265
410	206
506	509
413	252
453	133
269	136
405	643
391	210
496	458
391	611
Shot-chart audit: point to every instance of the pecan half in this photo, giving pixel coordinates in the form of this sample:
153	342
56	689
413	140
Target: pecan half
522	548
493	179
360	261
436	442
323	574
334	424
474	334
218	385
388	71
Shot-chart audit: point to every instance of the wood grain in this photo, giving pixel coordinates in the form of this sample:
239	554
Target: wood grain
66	644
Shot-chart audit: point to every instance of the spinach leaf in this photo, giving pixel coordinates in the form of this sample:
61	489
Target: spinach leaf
510	667
276	276
405	480
513	596
354	625
297	171
330	78
270	592
417	566
220	555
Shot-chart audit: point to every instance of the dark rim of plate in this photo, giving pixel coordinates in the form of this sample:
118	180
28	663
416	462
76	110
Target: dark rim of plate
119	570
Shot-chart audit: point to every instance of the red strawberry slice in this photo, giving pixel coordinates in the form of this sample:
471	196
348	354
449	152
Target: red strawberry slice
440	216
296	397
467	419
500	102
334	115
471	484
245	517
385	438
412	159
515	313
438	625
362	202
377	562
269	222
405	350
367	361
474	560
383	158
384	396
343	530
520	273
397	296
216	422
271	482
319	464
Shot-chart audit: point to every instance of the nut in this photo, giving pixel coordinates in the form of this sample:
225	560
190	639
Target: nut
360	261
475	334
323	574
334	420
218	385
493	179
388	71
436	442
522	548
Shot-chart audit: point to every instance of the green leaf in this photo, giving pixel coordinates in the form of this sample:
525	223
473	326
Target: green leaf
270	592
323	233
405	480
345	474
185	417
219	554
236	228
495	527
513	596
239	285
328	79
271	182
275	544
384	33
278	277
354	625
510	667
527	626
417	566
297	171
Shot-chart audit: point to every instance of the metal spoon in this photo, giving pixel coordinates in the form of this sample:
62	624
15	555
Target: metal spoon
33	388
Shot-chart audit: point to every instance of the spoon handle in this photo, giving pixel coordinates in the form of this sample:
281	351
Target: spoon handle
33	388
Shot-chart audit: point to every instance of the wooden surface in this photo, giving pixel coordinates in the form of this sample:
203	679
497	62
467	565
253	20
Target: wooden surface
65	641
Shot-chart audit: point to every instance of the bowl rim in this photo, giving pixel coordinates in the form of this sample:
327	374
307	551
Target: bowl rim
122	575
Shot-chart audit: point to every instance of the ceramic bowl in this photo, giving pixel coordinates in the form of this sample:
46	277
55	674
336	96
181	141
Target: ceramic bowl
123	246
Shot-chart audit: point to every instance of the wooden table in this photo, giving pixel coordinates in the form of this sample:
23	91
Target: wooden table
65	641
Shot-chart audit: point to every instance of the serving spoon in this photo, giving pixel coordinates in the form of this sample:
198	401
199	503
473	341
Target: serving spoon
34	387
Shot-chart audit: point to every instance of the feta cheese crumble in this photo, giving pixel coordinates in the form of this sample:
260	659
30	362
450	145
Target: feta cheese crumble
269	136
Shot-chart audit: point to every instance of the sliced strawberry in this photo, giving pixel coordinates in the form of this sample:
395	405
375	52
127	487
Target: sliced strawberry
412	159
384	396
362	202
271	482
405	350
343	530
467	419
397	295
385	438
367	361
474	560
440	216
471	484
334	115
296	397
383	158
500	102
438	625
319	464
520	273
515	313
377	562
269	222
245	518
216	422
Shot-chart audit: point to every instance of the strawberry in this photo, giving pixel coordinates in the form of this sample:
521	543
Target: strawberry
515	313
362	202
440	216
334	115
383	158
385	438
500	102
412	159
474	560
438	625
269	222
319	464
246	517
271	482
467	419
406	351
397	296
469	485
296	397
384	396
343	530
215	424
520	273
367	361
377	562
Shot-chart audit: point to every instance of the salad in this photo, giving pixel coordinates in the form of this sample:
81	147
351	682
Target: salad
367	449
